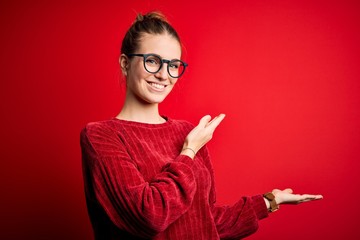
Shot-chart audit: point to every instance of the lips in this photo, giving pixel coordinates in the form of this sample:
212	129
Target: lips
157	86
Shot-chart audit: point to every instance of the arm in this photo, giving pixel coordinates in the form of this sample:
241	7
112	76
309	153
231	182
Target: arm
235	221
133	204
240	219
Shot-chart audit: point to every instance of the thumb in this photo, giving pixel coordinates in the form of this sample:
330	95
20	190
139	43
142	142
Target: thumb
288	190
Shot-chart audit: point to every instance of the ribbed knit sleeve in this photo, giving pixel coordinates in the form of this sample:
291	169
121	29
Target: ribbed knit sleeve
136	205
240	219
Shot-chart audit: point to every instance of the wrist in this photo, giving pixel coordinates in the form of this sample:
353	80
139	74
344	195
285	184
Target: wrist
270	201
267	203
189	152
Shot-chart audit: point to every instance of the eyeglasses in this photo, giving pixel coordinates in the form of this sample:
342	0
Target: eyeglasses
153	63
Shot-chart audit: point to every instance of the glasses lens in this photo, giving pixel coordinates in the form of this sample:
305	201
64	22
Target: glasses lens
152	63
176	68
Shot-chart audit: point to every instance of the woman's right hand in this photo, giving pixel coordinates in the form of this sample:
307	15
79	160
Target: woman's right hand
201	134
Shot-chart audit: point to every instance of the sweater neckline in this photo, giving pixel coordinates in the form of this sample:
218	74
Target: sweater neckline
142	124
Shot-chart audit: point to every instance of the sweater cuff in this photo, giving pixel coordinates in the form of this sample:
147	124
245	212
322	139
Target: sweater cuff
259	206
185	159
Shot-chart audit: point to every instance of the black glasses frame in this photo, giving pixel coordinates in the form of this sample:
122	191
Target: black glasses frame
145	56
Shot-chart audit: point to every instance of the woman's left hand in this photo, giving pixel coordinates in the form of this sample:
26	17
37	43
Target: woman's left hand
287	197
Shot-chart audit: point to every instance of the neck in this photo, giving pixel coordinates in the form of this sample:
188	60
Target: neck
140	112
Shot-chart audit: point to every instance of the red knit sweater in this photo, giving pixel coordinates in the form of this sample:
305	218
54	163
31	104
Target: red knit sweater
138	186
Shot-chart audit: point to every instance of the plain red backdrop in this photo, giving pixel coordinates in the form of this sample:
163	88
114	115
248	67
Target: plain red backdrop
286	73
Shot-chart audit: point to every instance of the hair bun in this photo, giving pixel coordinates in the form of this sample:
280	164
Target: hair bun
151	16
150	23
139	17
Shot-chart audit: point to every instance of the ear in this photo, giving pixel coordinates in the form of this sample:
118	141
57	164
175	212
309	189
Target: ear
124	63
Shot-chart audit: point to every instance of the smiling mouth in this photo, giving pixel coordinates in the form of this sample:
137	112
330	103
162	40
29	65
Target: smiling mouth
157	85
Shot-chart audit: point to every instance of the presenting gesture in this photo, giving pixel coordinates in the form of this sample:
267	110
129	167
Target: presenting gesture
276	197
132	166
201	134
287	197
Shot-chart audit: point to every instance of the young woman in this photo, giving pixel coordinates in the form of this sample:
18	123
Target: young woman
148	176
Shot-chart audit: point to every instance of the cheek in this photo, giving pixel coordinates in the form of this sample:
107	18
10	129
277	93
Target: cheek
136	81
173	81
138	72
132	78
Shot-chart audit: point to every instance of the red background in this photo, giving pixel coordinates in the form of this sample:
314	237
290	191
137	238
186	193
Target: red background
286	73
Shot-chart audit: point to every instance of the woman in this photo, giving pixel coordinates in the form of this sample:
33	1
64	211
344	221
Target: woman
150	177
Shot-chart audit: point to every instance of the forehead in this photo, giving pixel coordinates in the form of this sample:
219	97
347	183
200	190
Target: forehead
162	44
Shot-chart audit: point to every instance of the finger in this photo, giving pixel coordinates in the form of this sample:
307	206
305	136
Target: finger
276	190
220	117
318	197
288	190
204	121
308	198
216	121
312	197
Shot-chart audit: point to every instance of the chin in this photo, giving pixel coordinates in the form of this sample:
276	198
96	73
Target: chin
156	99
153	100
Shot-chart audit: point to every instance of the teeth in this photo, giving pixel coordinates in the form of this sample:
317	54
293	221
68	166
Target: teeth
158	86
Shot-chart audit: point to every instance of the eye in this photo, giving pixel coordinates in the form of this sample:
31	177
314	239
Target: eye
152	60
174	64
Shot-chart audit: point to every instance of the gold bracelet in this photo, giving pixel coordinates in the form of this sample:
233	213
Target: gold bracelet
190	150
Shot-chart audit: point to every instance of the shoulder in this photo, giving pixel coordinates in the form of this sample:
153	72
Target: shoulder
101	138
99	132
97	128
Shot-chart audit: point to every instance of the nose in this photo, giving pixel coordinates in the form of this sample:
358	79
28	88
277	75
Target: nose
162	74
